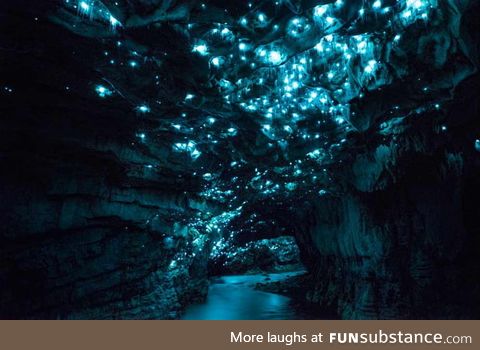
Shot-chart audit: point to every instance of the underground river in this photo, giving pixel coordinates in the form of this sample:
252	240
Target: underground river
235	298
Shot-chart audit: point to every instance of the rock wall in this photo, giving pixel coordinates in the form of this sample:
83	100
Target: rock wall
89	228
91	232
402	241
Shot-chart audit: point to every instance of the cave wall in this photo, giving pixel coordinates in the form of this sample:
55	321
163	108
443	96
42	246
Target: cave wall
402	241
89	229
400	238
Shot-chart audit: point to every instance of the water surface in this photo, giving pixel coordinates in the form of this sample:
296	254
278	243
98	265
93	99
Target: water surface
234	298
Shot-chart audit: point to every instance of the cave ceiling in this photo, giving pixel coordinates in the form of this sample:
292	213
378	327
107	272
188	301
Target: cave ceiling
263	101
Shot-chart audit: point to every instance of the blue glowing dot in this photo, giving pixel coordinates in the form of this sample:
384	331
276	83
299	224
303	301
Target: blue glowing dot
201	49
274	57
217	61
415	3
113	21
361	46
143	109
195	154
102	91
84	6
377	4
371	66
320	10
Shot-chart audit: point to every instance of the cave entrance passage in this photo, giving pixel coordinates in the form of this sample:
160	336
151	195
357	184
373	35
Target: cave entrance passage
280	254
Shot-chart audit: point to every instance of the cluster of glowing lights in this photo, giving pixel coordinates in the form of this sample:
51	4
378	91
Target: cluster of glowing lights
289	95
189	148
94	9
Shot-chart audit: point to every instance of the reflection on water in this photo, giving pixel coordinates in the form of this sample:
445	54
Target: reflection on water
234	298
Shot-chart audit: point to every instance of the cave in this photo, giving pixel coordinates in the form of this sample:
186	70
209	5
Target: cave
327	151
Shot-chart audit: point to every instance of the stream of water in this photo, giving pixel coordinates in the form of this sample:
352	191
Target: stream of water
235	298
